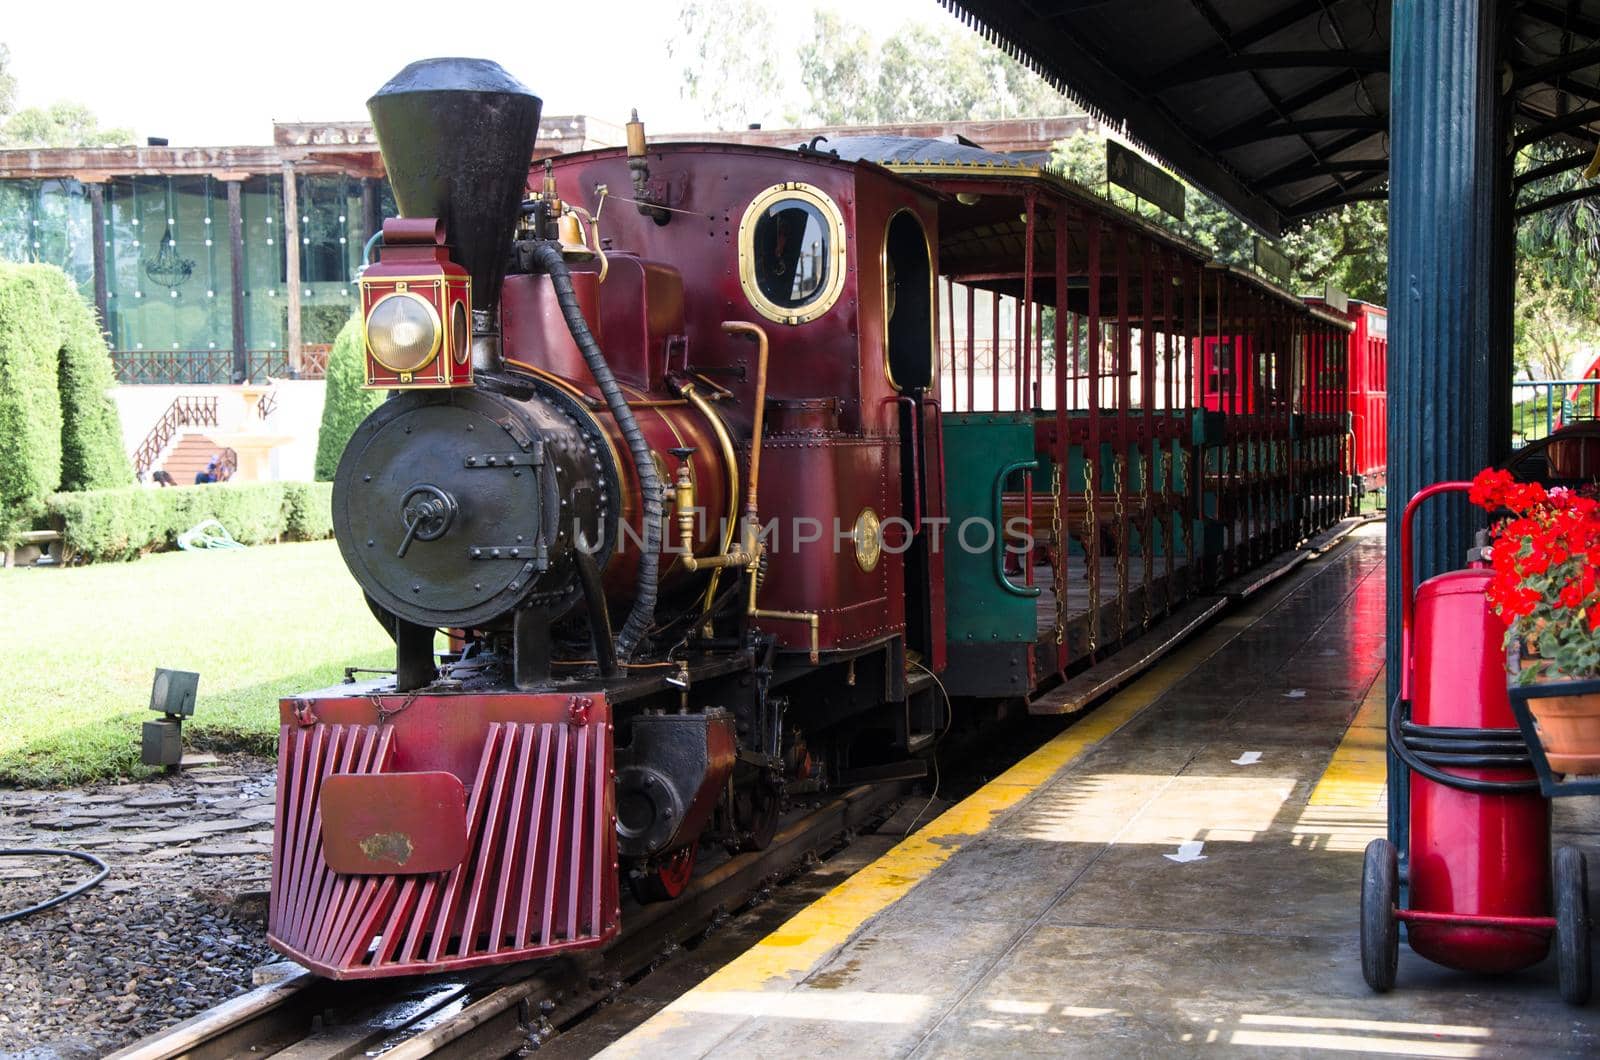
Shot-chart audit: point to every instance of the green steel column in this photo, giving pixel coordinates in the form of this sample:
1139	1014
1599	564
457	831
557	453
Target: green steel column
1444	113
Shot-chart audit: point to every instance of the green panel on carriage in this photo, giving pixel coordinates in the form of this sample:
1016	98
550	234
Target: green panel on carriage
1209	427
980	608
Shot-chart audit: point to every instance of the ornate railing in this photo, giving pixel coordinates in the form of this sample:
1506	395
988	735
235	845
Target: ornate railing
215	367
266	405
173	367
185	411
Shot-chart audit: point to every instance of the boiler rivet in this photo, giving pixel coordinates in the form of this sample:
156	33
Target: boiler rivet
477	585
369	542
416	588
366	478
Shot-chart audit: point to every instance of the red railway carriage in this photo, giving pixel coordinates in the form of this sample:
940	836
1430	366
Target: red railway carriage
678	517
1363	372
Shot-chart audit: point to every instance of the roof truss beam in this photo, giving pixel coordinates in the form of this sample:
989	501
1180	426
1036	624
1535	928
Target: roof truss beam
1300	127
1245	62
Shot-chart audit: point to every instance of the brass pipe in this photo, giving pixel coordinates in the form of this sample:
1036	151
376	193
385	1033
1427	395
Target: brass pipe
740	327
752	539
684	498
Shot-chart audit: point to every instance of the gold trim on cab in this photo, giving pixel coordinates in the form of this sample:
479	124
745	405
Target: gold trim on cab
809	195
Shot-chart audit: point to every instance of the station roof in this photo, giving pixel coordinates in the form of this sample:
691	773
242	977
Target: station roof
1280	108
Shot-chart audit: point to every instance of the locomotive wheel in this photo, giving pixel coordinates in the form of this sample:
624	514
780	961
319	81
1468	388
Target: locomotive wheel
668	879
760	824
1380	931
1572	926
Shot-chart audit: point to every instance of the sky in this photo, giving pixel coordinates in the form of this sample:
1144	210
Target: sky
221	74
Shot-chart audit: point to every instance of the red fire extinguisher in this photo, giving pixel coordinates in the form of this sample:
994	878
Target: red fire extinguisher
1479	872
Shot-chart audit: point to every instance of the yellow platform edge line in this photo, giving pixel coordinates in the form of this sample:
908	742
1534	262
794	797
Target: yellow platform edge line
1358	774
792	950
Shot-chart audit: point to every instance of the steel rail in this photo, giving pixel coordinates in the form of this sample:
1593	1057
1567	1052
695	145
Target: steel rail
478	1013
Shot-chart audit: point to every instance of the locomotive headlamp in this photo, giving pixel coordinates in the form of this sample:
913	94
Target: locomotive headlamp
403	332
415	302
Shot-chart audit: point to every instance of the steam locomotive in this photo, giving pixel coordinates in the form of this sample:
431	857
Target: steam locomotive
651	514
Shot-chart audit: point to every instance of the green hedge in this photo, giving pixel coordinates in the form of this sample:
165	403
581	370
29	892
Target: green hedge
119	524
30	400
345	404
58	428
92	456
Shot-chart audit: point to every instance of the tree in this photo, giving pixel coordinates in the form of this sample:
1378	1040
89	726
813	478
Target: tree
8	83
730	64
917	74
61	124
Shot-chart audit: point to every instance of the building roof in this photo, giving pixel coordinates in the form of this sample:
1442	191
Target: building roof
1278	107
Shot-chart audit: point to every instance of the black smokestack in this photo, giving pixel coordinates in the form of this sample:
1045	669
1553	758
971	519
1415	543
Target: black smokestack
457	137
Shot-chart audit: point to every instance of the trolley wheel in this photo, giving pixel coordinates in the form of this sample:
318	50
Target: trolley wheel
1572	925
666	880
1380	931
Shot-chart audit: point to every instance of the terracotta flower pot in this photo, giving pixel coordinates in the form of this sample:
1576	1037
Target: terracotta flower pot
1566	715
1569	728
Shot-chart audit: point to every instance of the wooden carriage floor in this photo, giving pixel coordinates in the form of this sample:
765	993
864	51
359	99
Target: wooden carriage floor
1177	871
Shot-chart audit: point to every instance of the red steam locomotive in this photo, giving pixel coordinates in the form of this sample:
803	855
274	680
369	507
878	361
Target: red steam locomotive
653	516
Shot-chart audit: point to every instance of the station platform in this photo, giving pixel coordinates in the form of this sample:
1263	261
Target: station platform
1177	872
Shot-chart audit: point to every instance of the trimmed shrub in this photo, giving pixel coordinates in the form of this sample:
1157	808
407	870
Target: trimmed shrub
58	427
307	510
92	456
125	523
30	402
345	404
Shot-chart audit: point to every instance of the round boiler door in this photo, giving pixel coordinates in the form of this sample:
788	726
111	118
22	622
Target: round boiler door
437	511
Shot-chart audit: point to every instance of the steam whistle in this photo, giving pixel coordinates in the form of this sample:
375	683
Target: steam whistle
648	203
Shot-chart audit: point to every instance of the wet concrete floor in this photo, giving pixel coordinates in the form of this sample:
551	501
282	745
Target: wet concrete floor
1186	880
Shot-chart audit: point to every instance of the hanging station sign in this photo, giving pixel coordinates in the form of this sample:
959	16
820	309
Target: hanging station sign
1336	298
1127	170
1271	260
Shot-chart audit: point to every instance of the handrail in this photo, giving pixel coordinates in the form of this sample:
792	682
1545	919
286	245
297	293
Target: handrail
185	411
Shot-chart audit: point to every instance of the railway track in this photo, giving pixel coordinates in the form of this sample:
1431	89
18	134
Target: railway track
497	1011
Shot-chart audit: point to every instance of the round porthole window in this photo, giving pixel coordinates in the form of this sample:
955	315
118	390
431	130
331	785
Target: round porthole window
792	253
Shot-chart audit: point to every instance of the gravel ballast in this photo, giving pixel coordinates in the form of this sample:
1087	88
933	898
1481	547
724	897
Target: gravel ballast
177	926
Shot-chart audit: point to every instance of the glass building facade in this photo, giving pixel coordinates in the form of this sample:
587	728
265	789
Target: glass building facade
170	270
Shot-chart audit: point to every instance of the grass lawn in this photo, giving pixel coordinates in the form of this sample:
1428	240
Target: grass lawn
84	642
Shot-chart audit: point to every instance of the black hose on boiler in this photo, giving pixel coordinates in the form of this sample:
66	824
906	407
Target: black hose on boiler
547	256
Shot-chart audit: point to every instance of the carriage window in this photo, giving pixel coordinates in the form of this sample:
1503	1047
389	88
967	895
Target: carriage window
1217	379
791	253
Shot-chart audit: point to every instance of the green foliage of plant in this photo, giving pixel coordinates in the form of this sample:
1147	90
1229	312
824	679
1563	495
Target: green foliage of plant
918	73
345	404
60	124
321	324
30	403
92	456
122	524
730	61
58	426
307	510
1347	247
